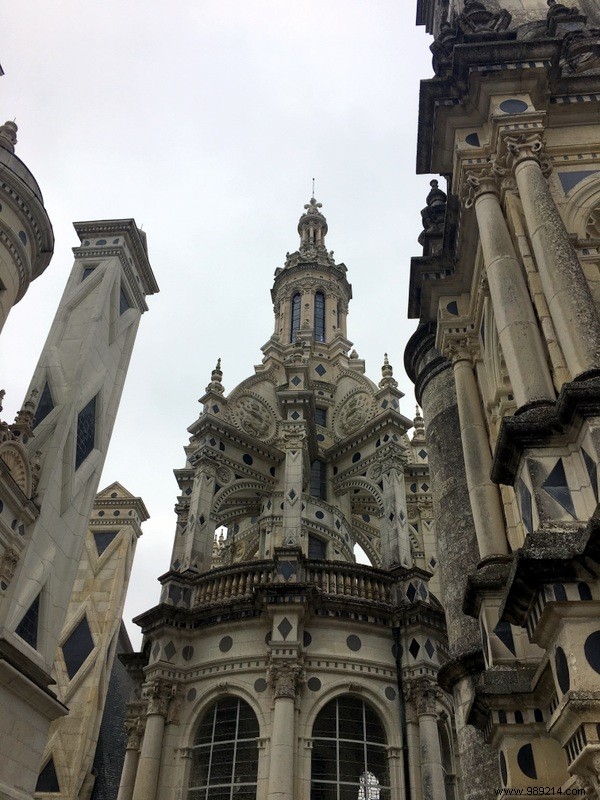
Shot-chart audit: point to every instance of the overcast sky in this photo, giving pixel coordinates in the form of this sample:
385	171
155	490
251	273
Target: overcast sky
206	121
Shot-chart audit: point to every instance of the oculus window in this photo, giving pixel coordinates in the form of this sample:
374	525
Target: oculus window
349	755
225	753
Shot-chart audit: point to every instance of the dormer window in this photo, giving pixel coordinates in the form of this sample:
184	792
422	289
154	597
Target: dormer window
296	301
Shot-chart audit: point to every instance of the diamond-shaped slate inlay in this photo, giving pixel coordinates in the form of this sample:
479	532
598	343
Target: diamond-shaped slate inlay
338	524
170	650
504	632
284	628
156	649
215	409
422	453
556	486
287	569
292	494
320	370
202	519
423	591
411	592
296	380
425	487
414	648
526	505
295	415
429	648
592	471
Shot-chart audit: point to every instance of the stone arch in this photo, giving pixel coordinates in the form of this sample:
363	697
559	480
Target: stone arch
349	485
236	488
15	457
206	699
582	202
362	539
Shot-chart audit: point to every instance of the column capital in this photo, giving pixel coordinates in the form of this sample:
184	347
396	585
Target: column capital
526	147
465	349
285	677
134	727
480	182
160	693
425	695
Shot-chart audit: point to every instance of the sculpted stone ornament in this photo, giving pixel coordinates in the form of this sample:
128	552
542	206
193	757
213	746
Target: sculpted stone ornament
484	181
465	349
286	677
477	19
353	413
8	565
580	52
134	727
424	694
527	146
254	417
160	693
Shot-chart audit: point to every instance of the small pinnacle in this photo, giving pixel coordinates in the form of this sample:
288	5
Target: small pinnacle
2	394
8	136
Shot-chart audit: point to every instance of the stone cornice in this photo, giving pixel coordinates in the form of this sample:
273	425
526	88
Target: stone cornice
468	664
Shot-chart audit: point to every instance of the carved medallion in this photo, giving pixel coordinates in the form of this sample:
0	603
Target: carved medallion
353	413
254	417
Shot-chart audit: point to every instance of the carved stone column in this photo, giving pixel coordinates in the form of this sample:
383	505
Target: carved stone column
517	326
159	693
284	677
568	295
200	533
135	728
483	494
425	695
395	540
294	437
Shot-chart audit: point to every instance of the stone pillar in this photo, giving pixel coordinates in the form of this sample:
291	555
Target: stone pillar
432	772
294	437
284	677
569	298
395	540
134	730
146	781
483	494
200	533
458	551
517	326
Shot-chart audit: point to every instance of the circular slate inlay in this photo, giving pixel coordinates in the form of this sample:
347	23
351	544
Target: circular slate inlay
314	684
306	639
591	648
562	670
319	514
187	652
226	644
191	695
390	693
472	139
260	685
526	761
397	651
354	643
513	106
268	637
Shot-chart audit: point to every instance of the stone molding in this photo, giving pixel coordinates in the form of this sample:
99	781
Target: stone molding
286	678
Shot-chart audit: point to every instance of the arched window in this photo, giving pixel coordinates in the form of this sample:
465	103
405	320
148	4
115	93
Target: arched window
225	753
296	302
349	755
320	317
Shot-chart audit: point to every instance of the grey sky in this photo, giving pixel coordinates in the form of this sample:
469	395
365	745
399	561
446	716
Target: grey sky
206	122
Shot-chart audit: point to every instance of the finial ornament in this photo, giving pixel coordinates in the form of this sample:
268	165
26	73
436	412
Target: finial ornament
216	376
8	136
387	372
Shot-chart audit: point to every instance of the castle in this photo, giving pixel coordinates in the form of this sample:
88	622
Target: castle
464	661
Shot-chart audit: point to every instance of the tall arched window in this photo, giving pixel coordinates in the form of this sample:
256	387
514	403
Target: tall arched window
349	755
225	753
320	317
296	303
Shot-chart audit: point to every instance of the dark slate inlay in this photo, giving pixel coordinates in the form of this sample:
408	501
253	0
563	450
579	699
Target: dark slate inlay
354	643
260	685
226	644
390	693
187	652
296	380
472	139
78	647
247	459
47	779
591	648
170	650
268	638
570	179
320	370
526	761
314	684
287	569
295	415
513	106
592	471
319	515
504	632
156	649
27	629
414	648
562	670
397	651
556	486
452	308
45	405
422	454
503	770
124	304
191	695
306	639
103	539
560	592
585	593
285	627
526	506
429	648
411	592
86	432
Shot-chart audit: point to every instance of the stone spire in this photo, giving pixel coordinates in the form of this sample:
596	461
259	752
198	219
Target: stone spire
216	376
312	226
387	374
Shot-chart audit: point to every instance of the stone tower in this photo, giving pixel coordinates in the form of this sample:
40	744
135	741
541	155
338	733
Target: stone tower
289	671
57	447
506	362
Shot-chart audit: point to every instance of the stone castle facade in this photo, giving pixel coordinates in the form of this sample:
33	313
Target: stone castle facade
464	661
